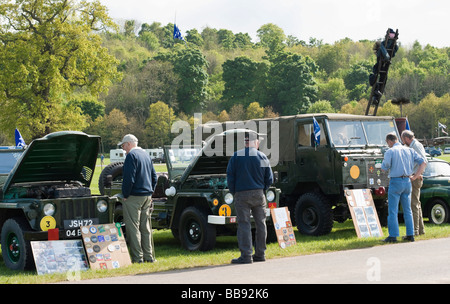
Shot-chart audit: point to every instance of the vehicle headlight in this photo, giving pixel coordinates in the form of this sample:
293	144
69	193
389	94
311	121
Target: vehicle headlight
49	209
102	206
228	198
270	195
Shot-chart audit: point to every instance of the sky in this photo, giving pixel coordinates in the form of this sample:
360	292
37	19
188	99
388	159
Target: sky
426	21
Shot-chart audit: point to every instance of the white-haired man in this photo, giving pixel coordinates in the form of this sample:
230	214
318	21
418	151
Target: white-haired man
416	208
139	181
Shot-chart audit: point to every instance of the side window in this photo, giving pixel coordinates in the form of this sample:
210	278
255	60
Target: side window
305	135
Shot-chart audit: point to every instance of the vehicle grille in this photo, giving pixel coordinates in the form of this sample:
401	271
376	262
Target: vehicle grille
77	208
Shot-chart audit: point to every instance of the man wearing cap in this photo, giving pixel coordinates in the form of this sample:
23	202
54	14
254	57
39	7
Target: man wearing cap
139	181
248	176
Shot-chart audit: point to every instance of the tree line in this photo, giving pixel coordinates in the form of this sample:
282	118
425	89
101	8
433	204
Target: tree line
136	78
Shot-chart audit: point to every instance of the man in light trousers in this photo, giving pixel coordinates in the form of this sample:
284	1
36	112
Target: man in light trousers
139	181
416	207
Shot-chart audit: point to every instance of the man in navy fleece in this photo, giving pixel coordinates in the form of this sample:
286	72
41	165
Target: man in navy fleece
248	176
139	181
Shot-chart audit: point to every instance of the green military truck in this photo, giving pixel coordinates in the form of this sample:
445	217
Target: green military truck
192	198
46	186
313	176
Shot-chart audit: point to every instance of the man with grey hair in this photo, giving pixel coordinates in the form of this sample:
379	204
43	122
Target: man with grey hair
416	208
139	181
400	161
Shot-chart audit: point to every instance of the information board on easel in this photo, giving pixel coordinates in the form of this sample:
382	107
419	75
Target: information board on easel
105	246
283	227
364	213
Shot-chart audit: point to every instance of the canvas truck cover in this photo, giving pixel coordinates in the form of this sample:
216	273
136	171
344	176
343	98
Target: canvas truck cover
281	128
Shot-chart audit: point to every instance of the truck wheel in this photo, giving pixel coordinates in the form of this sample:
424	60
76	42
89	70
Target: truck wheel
115	170
313	214
195	232
16	251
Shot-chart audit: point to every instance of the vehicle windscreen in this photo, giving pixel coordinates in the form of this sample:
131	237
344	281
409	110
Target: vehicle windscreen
435	169
8	160
179	159
355	133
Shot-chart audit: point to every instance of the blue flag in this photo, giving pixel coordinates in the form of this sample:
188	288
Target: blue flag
316	131
19	139
407	124
177	33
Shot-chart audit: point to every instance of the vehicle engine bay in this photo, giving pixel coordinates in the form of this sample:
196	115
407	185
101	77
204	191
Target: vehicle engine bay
48	191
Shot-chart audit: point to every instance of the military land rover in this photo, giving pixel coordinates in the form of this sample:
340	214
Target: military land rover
313	175
192	198
46	186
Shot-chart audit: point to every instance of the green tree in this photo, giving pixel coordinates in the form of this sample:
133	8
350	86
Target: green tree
254	111
291	85
321	106
239	76
226	39
111	127
191	66
159	123
272	37
334	91
242	40
424	117
193	36
49	50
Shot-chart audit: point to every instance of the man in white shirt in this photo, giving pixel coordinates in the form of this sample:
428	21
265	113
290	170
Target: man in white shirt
409	139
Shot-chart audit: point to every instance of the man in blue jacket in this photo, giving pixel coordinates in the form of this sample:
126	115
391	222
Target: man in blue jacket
139	181
248	177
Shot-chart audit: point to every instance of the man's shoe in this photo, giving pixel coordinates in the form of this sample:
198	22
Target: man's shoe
258	259
390	239
241	260
409	238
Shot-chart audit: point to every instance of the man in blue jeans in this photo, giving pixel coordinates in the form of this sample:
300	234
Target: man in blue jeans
248	176
400	160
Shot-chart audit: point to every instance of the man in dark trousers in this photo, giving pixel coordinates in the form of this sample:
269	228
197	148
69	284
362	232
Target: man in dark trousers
248	176
139	181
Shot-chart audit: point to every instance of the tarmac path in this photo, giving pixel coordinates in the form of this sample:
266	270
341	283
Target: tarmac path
423	262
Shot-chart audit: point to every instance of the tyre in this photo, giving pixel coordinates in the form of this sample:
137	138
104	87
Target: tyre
16	251
313	214
194	231
116	171
438	212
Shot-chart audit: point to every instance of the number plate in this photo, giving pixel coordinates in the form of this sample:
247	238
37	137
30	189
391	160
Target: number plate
72	227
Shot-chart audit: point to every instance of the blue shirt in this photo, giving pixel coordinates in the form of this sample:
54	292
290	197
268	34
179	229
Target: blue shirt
248	169
139	175
400	160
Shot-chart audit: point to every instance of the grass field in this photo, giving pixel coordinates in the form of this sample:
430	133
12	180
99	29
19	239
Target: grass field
170	255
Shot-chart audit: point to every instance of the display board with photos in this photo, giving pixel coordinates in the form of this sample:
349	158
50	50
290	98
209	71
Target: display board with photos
105	246
283	227
59	256
364	213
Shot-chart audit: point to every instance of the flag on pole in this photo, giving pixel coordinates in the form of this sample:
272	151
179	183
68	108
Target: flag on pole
441	126
177	33
407	124
316	131
19	139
